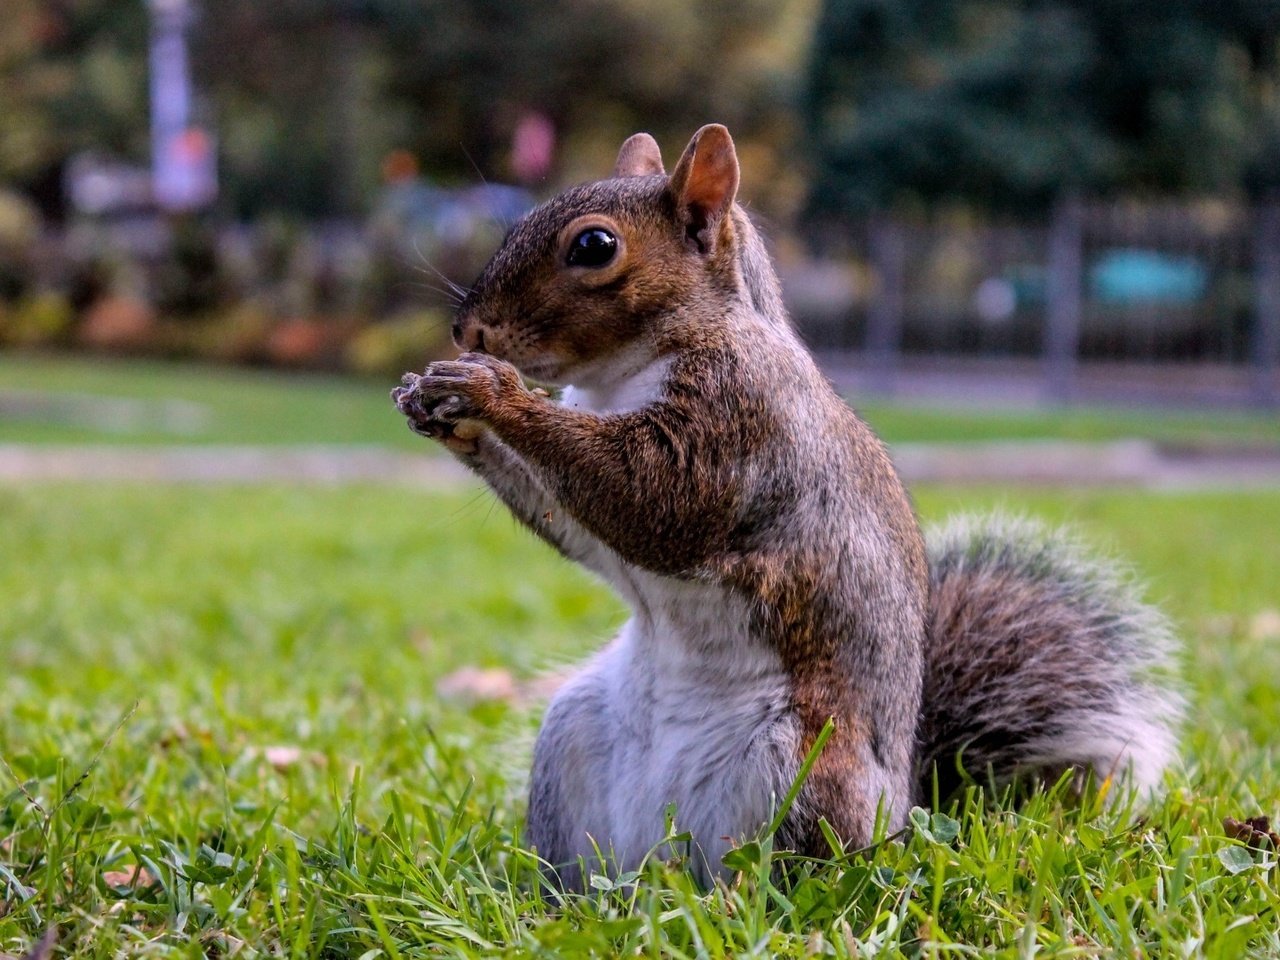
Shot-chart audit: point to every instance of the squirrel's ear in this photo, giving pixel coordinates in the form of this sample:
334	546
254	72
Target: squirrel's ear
639	157
705	183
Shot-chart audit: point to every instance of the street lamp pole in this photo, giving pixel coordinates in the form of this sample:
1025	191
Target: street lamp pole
182	160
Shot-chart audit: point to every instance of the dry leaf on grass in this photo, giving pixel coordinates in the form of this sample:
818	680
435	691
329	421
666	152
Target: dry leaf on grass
423	642
282	757
1265	625
545	685
1255	832
493	684
132	878
477	685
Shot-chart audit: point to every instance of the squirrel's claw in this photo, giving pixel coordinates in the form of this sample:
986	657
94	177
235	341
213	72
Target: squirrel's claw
449	400
450	408
449	370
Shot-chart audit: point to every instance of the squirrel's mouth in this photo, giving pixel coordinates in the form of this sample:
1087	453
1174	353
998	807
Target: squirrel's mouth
545	371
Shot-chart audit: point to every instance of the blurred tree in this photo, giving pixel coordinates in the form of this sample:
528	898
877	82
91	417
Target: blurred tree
312	95
1010	102
297	114
464	74
307	97
72	78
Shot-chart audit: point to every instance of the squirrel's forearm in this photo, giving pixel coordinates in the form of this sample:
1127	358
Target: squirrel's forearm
510	478
630	479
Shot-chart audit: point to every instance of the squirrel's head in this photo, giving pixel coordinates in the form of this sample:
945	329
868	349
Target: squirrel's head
605	266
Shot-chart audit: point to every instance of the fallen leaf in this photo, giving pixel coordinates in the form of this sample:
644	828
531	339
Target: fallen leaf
545	685
176	734
478	685
1265	625
282	757
1220	625
1255	832
423	642
489	685
134	878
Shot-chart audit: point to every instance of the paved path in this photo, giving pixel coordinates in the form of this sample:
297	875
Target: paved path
1130	463
1006	383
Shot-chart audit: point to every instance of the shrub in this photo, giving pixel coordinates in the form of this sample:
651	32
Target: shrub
38	320
118	324
307	342
407	341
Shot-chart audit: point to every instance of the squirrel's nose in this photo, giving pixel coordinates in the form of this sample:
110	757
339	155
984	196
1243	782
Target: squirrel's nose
469	338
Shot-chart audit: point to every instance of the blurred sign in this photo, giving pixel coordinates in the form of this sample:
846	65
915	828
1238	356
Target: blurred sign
1135	276
96	187
183	161
185	171
533	147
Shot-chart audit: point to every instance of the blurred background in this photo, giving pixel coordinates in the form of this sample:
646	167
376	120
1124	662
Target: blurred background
1014	201
1036	242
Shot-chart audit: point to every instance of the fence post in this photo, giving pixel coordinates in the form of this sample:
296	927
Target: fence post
1264	341
884	314
1064	298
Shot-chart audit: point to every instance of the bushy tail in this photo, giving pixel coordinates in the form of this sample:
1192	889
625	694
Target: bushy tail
1041	658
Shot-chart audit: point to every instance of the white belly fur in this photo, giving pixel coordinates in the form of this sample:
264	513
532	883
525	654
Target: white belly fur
629	384
696	716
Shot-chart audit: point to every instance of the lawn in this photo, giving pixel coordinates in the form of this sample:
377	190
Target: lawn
290	782
61	400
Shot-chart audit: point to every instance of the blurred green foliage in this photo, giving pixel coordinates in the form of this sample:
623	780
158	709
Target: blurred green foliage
1007	103
999	102
72	78
307	97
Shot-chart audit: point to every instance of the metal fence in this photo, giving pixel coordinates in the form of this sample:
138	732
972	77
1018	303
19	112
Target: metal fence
1187	287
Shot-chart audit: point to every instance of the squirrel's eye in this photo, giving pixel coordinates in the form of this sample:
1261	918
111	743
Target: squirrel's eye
592	248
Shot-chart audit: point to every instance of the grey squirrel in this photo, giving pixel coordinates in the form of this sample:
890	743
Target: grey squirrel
699	462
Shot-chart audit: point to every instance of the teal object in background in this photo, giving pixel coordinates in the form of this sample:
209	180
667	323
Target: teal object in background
1135	277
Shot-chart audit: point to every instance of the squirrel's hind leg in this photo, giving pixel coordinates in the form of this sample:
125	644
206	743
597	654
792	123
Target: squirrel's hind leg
571	760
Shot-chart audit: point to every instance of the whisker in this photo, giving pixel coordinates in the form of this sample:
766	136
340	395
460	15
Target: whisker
493	213
457	288
453	299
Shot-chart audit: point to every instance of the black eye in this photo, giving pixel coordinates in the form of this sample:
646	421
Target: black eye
592	248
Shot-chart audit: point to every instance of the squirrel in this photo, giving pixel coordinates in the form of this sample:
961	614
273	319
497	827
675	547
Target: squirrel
699	461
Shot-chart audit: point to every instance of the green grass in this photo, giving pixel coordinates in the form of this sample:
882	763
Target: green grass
238	619
60	400
898	423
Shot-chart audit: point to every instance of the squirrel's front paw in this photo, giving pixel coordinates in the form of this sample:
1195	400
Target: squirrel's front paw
473	387
440	420
453	399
